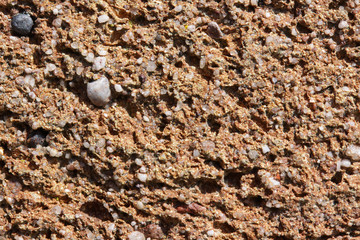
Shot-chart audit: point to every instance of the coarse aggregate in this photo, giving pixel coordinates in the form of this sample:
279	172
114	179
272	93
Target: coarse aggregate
220	119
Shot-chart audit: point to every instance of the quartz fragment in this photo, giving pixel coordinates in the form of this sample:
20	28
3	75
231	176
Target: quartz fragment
136	235
99	92
343	24
99	63
353	152
103	18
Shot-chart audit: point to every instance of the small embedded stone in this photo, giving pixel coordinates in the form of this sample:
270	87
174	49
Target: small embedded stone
154	231
195	208
214	30
103	18
22	24
142	177
99	92
353	152
99	63
253	154
208	145
151	67
136	235
343	24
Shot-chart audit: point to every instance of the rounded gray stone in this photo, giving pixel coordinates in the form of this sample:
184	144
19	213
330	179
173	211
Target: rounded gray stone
22	24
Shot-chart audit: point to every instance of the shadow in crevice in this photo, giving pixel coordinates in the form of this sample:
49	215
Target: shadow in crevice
96	209
233	179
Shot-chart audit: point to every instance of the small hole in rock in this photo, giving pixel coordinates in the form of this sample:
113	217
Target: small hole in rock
37	137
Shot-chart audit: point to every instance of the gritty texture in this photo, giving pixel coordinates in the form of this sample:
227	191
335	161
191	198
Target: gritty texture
254	135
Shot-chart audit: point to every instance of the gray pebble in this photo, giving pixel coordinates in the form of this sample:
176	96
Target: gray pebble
22	24
214	30
99	92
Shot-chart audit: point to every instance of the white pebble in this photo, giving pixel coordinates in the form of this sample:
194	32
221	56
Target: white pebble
353	152
265	149
57	22
343	24
99	92
136	235
101	143
178	8
273	183
111	227
151	67
210	233
139	205
191	28
79	70
32	95
49	52
118	88
143	169
52	152
196	153
269	181
103	18
345	163
102	52
138	162
208	145
253	154
74	45
86	144
99	63
254	2
57	210
142	177
50	67
90	57
110	149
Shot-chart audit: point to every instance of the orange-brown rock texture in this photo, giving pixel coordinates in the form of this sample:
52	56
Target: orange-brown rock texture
207	119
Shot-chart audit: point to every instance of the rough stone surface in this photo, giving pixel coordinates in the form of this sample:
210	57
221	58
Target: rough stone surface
175	145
